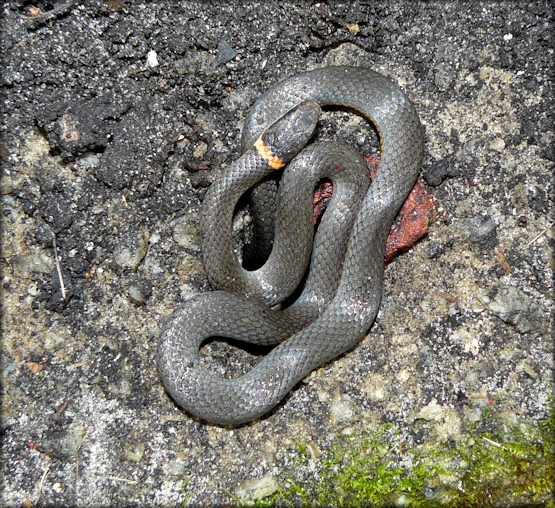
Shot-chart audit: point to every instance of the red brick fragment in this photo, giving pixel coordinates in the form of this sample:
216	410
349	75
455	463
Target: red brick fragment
412	221
321	198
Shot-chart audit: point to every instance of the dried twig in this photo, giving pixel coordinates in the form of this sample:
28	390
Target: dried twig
493	443
541	233
41	484
43	17
59	268
124	480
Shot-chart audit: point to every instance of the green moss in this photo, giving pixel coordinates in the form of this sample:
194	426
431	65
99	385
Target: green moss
188	496
509	466
302	453
514	465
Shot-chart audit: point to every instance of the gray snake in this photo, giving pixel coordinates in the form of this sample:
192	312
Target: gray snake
342	292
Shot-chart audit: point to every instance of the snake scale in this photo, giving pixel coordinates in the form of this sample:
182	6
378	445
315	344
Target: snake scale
342	292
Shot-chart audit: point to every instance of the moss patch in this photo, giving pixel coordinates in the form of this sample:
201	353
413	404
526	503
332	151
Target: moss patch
511	465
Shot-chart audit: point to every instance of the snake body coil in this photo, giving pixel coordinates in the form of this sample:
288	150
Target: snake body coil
342	293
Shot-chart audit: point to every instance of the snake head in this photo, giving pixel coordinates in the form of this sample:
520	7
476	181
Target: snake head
286	137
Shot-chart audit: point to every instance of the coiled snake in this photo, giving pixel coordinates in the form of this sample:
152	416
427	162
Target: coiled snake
342	292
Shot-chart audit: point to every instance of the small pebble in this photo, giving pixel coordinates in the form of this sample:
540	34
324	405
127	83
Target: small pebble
152	59
225	52
257	488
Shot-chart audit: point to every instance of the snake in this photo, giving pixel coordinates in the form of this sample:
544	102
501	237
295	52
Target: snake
341	294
